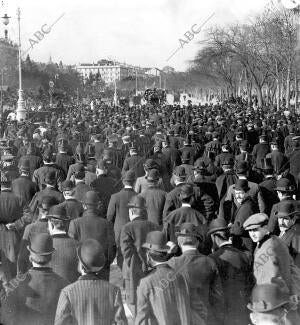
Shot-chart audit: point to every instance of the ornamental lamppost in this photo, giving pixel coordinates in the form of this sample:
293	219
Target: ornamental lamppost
5	20
21	111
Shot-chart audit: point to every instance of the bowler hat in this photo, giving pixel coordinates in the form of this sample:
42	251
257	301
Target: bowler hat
25	165
156	241
153	175
58	212
47	202
137	202
241	167
91	197
188	229
286	209
129	176
41	244
91	255
267	297
150	164
217	225
284	185
241	185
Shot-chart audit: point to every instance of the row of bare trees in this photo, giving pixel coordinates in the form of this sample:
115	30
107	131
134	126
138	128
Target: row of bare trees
260	57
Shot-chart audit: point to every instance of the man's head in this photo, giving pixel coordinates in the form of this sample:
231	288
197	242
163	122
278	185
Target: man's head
133	150
256	225
24	167
91	257
45	205
129	178
188	236
284	188
91	200
179	175
153	176
241	188
269	304
137	207
57	219
263	138
286	215
68	188
219	232
157	249
150	164
241	168
41	249
199	168
274	145
186	193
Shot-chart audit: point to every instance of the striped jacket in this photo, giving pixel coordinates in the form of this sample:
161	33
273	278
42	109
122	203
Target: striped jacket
163	298
90	301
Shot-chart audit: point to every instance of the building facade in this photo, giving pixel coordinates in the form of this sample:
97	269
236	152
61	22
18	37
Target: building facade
111	71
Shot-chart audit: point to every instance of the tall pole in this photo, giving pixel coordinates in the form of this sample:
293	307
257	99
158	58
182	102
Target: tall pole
20	112
1	92
136	83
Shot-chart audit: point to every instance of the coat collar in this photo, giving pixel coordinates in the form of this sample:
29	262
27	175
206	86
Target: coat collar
268	236
60	235
90	276
41	269
191	252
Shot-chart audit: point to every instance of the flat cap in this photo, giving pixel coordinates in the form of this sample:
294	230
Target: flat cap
256	220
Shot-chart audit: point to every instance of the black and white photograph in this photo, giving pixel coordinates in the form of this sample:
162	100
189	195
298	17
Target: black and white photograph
150	162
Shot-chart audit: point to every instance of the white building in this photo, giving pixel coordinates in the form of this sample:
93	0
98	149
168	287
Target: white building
109	70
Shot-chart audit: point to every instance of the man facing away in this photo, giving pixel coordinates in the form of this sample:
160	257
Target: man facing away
91	300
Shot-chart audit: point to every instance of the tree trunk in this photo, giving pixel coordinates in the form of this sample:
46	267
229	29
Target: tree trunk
278	95
296	91
288	90
281	89
259	96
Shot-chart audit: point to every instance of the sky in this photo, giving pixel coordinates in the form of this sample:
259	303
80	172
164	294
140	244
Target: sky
138	32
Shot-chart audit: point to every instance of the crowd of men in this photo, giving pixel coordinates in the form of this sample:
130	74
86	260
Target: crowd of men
197	205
